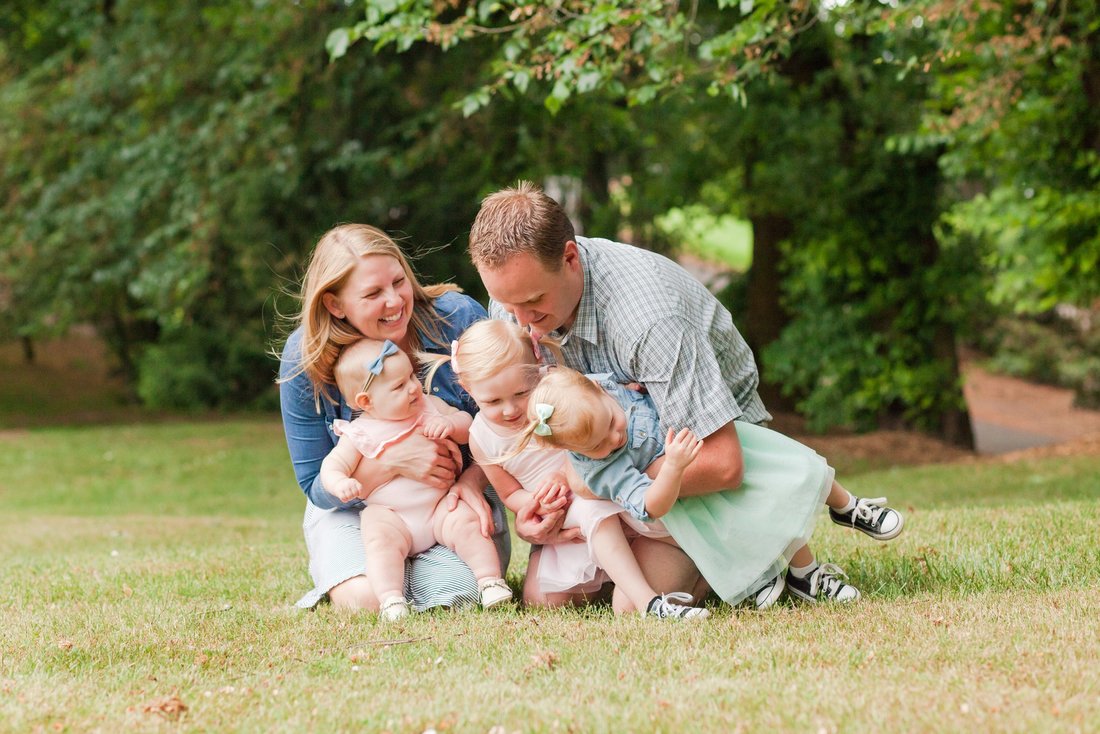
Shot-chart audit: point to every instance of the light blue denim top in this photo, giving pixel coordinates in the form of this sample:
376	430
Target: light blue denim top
309	435
621	477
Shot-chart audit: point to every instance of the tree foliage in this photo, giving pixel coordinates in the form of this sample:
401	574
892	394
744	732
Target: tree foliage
785	110
1016	100
168	166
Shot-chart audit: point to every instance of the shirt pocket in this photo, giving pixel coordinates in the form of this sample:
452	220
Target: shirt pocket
644	427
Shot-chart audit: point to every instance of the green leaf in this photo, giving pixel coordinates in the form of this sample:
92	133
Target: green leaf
337	43
588	81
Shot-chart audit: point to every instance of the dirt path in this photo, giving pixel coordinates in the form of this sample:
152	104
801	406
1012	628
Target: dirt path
1010	414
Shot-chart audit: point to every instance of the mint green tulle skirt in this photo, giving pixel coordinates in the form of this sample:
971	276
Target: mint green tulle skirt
741	538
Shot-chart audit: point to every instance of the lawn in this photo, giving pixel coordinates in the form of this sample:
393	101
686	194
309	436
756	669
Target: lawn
149	572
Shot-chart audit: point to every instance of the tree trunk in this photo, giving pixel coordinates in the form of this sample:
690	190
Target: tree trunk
28	349
766	317
955	425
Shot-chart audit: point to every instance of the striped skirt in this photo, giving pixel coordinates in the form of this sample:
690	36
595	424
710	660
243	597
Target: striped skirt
434	578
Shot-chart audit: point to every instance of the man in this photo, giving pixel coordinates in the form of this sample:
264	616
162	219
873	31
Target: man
632	313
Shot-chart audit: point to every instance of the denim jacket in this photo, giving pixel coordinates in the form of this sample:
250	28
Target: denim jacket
308	427
621	477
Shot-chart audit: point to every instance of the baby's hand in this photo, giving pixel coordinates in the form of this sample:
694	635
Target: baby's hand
347	489
437	427
681	448
553	495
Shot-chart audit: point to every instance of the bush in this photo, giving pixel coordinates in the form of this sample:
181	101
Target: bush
206	368
1050	350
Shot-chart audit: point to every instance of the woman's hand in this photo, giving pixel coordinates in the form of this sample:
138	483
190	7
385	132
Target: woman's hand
470	488
424	460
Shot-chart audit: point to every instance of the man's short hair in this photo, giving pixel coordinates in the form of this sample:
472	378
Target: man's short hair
521	219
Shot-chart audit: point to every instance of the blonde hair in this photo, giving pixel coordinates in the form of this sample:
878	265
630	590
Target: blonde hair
333	259
350	370
521	219
575	424
485	348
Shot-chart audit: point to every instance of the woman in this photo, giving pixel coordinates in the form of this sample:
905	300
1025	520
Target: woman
358	283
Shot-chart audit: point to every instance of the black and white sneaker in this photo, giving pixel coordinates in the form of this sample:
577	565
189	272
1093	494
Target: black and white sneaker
871	517
824	584
668	606
768	594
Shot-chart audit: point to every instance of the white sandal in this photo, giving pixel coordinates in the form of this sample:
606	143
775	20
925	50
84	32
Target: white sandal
393	609
494	592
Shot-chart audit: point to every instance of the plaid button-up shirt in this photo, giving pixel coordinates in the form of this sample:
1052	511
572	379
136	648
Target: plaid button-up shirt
644	319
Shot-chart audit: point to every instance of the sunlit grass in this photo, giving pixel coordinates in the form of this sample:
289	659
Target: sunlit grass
719	239
151	567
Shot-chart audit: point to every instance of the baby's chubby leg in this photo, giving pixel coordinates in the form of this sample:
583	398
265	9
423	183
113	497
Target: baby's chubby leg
460	530
386	542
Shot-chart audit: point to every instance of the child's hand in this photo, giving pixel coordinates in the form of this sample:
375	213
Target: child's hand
553	495
437	427
681	448
347	489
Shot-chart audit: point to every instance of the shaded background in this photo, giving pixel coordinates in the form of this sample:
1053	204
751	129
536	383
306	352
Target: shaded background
875	191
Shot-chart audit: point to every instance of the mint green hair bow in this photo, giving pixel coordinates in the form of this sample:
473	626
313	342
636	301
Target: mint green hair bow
543	411
374	368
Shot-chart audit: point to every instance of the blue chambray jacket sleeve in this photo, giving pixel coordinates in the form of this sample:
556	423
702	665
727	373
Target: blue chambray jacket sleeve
459	312
616	479
306	428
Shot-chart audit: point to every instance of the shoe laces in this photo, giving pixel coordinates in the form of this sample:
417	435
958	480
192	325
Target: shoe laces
827	578
674	604
869	509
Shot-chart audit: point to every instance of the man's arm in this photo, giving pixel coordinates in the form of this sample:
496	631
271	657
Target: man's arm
717	467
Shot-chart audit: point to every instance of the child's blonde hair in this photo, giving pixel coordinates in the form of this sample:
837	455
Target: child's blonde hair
485	348
351	369
574	423
323	335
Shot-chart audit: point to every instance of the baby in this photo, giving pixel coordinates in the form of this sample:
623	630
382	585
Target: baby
402	517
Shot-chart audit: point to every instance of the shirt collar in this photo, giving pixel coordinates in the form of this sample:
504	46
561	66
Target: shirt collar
585	325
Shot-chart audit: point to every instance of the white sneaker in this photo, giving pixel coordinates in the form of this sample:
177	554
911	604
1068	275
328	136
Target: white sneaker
495	592
393	609
769	593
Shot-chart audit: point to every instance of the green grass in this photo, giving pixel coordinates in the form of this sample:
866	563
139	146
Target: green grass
719	239
142	563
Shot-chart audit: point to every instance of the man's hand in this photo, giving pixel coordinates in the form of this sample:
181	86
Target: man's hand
553	495
539	529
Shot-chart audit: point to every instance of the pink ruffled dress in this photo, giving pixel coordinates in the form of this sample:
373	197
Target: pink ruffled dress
563	567
413	501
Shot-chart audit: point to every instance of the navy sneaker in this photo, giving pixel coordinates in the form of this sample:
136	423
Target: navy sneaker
869	516
824	584
668	606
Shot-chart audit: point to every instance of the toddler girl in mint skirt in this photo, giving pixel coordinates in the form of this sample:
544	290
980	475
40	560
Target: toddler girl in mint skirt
741	539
